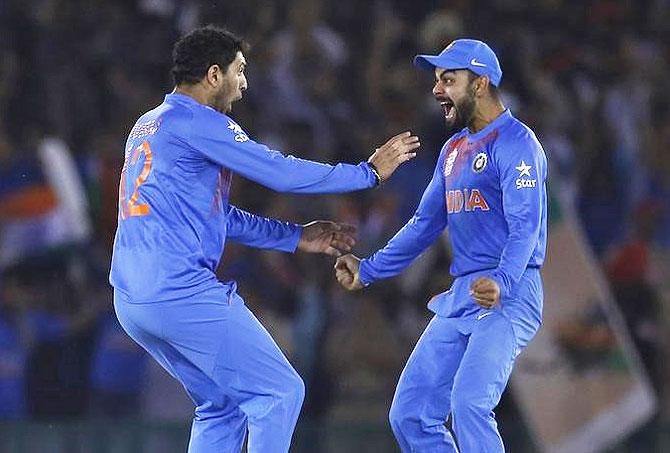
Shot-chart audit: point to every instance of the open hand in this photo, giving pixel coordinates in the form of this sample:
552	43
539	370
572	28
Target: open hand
485	292
347	272
395	151
323	236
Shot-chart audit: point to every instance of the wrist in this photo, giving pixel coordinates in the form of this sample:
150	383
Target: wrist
502	282
363	275
297	236
375	172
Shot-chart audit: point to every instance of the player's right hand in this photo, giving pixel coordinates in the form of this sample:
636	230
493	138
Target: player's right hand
323	236
485	292
347	272
397	150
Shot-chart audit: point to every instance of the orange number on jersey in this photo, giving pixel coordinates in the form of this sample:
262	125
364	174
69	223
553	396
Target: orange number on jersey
130	207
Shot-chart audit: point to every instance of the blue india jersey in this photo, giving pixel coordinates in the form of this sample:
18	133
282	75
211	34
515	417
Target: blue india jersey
489	189
174	214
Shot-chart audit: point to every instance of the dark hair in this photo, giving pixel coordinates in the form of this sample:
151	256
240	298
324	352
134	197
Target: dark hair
203	47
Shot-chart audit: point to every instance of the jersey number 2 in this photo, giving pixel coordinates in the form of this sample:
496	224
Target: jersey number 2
129	207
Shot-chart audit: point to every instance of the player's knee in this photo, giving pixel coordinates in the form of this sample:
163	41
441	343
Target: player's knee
470	401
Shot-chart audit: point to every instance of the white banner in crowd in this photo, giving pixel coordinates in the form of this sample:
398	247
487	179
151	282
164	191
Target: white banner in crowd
579	384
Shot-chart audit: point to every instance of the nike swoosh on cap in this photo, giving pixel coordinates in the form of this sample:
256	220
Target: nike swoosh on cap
474	62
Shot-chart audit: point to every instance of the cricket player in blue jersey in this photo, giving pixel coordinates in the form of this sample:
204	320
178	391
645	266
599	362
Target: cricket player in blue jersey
489	189
173	221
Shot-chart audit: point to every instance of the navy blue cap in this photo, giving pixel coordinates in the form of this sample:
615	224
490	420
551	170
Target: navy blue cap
470	54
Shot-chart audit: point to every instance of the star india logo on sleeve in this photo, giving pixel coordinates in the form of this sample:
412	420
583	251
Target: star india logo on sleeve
524	170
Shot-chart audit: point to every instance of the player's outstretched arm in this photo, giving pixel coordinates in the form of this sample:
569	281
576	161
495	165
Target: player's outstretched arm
232	148
331	238
419	233
428	222
347	272
319	236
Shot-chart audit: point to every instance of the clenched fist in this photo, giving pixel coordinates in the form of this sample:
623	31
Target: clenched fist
485	292
347	272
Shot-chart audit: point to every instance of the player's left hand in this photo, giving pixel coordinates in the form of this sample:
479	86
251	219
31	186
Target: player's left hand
331	238
485	292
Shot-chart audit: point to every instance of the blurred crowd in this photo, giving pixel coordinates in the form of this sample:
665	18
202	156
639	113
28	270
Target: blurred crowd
328	81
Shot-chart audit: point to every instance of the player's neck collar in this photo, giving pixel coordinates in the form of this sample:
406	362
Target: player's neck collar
493	125
181	98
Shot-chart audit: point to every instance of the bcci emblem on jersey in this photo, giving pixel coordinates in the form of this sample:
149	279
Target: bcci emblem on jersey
479	163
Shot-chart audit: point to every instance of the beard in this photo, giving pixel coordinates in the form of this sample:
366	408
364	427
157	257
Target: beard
465	112
221	101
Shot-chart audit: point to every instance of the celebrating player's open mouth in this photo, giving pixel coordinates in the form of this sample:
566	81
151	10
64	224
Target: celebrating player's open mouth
449	110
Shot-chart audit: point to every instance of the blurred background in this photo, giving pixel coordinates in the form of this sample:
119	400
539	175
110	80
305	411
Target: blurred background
329	81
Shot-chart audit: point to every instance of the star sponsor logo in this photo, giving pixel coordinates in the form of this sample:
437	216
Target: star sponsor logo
527	182
240	135
524	170
479	163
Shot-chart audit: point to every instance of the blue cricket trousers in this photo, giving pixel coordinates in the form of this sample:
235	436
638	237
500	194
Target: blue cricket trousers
228	363
460	366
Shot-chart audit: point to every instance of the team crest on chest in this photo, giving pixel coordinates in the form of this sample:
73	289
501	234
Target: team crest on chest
479	164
